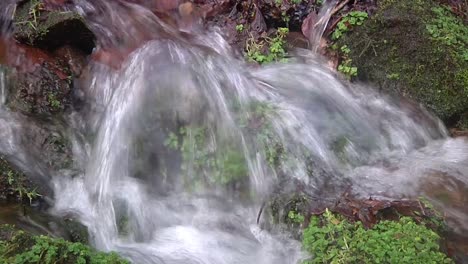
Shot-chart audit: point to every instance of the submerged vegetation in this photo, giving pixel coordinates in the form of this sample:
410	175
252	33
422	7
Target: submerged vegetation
200	157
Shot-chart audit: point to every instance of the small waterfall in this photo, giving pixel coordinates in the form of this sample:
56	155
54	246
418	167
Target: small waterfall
319	27
181	143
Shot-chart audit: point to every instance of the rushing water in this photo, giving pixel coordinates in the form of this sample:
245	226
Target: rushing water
129	189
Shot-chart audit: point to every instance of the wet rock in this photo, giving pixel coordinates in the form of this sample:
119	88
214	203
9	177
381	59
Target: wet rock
36	221
42	89
297	40
37	26
40	83
286	13
417	53
35	151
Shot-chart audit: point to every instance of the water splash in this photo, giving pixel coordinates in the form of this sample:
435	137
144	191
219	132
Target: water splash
153	204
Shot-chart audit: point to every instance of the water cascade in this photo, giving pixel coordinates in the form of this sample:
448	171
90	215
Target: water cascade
173	147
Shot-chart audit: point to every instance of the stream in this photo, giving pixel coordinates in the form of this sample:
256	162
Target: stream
130	190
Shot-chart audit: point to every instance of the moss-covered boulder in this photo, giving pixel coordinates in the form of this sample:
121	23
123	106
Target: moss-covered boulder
417	49
37	25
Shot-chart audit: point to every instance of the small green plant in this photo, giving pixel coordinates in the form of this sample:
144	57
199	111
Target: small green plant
295	217
275	48
34	12
172	141
347	69
350	20
332	239
393	76
22	248
240	28
17	183
346	66
449	30
53	101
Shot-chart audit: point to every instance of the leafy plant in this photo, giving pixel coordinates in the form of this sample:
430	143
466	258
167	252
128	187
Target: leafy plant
53	101
346	66
350	20
332	239
449	30
240	28
172	141
17	183
22	248
296	217
269	50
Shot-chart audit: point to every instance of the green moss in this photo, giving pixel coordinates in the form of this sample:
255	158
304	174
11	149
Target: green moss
22	248
332	239
32	22
416	49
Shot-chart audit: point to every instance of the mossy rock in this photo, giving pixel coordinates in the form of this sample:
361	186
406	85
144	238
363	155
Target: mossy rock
14	185
37	26
43	92
417	49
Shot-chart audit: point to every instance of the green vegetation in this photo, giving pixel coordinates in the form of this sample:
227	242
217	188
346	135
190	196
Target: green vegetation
449	30
296	217
240	28
350	20
420	53
14	184
258	119
345	66
346	24
332	239
268	50
33	21
33	14
53	101
20	247
225	165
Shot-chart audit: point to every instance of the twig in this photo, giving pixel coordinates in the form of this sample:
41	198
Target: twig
339	7
260	212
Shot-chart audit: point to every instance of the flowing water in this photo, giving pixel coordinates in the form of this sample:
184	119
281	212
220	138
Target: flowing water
153	204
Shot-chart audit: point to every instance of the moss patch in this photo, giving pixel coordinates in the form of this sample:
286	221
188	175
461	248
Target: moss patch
416	49
37	26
